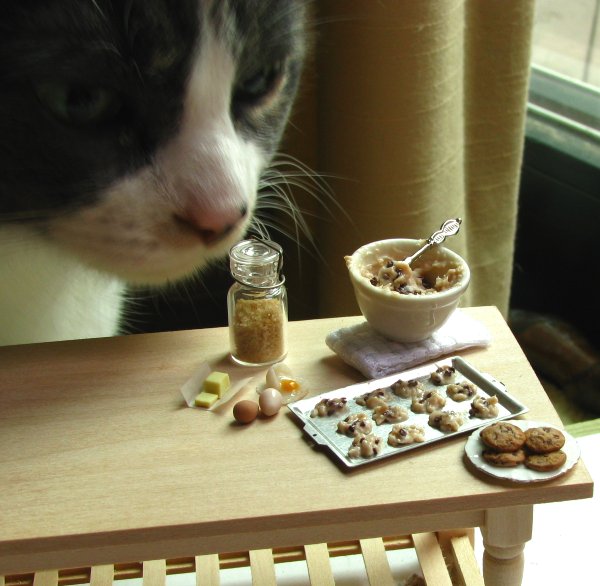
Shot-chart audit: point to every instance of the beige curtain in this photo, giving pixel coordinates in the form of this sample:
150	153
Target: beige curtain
414	110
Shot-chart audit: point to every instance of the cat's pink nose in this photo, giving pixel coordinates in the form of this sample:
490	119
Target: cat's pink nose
210	226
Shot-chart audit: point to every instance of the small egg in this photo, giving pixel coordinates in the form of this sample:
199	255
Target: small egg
270	401
245	411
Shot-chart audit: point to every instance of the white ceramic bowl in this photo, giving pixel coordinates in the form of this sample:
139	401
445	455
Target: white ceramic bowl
402	317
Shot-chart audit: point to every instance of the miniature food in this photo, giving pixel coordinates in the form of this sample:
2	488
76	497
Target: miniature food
217	383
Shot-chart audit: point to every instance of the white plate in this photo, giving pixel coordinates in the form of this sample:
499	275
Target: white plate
474	448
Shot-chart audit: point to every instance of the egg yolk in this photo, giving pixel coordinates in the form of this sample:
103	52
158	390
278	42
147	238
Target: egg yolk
288	385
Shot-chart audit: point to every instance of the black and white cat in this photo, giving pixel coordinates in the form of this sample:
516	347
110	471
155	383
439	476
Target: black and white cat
133	136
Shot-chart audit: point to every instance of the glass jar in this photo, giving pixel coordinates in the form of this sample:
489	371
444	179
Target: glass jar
257	303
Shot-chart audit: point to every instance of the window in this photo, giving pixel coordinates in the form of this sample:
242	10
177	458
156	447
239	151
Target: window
557	247
564	104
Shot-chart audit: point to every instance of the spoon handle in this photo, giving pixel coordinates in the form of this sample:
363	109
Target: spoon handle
448	228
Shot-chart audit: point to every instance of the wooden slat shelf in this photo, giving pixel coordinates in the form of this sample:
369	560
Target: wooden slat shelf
262	563
225	561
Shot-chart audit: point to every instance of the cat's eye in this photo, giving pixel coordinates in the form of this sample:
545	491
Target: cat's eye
260	84
78	104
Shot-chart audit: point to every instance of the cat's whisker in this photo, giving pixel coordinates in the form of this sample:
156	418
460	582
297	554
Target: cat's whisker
300	171
259	226
263	230
276	201
280	201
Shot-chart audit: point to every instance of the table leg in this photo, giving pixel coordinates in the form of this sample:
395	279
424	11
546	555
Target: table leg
505	533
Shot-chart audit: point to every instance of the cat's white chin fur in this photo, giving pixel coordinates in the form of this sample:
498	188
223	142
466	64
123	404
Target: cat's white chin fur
132	233
49	295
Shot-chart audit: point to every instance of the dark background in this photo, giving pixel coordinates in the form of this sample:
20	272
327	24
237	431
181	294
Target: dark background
557	258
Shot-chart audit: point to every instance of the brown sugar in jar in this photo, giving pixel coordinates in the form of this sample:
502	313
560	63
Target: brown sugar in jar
257	304
258	330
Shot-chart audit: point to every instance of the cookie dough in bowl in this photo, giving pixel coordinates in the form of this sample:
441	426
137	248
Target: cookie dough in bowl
402	303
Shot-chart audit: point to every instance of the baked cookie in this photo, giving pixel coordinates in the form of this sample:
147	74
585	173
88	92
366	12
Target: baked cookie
546	462
503	437
543	440
504	459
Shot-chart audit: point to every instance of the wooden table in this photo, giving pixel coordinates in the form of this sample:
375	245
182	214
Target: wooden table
100	461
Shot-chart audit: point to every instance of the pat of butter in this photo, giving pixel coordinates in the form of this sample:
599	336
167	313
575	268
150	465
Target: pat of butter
205	399
217	383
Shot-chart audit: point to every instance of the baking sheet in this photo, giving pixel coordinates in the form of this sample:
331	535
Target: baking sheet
323	430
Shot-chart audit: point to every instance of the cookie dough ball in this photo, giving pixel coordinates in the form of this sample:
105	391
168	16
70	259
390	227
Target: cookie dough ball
484	408
461	391
365	446
427	402
389	414
407	388
374	398
443	375
446	420
403	435
355	423
329	407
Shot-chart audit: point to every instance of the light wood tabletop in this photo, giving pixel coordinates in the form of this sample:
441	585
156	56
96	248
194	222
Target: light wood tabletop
101	461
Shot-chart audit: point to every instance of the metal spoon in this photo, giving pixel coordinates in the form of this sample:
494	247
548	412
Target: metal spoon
448	228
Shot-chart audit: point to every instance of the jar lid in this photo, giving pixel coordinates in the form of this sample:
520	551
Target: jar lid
256	263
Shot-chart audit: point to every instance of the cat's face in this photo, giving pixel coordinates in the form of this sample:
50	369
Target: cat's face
134	132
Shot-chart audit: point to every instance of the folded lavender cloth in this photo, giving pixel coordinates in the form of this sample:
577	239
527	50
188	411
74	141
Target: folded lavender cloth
375	356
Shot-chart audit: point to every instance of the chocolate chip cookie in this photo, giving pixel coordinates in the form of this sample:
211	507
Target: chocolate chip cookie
544	440
504	459
503	437
546	462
